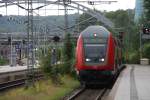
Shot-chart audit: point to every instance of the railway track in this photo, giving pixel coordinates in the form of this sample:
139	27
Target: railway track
89	94
93	94
10	84
16	83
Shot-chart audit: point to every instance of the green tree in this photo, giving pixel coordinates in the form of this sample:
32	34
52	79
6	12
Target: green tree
120	18
123	21
50	70
3	61
145	20
68	54
147	9
86	20
146	51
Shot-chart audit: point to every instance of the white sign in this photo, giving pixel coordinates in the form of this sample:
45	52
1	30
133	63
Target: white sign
145	36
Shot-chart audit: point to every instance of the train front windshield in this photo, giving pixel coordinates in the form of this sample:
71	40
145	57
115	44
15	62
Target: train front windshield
95	53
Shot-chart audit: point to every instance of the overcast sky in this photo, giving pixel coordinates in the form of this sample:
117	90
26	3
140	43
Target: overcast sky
121	4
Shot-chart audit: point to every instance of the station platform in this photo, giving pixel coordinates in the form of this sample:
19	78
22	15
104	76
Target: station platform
8	68
133	83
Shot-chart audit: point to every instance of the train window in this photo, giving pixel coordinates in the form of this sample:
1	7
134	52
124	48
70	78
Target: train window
95	40
95	53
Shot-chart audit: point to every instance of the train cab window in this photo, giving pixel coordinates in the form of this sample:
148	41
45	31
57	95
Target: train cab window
95	53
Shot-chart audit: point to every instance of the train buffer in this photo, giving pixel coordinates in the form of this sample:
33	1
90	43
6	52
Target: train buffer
132	84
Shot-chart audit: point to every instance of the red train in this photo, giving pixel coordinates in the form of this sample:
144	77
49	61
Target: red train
98	55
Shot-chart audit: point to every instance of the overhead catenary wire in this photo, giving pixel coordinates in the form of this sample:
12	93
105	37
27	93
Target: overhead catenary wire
99	15
80	22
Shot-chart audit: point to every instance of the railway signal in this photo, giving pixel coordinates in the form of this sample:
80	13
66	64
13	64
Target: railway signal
146	30
23	41
56	38
144	35
9	40
91	2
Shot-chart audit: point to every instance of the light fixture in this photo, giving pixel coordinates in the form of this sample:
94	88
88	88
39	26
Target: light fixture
95	34
88	59
101	59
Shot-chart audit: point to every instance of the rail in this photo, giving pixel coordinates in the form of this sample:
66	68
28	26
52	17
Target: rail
88	94
16	78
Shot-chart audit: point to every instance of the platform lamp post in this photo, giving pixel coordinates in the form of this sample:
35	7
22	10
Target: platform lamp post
140	44
10	43
23	47
121	36
54	50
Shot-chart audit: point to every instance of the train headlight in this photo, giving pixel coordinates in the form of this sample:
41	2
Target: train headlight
102	59
95	34
87	59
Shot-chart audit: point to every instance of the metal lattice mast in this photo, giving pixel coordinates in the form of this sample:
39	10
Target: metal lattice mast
30	59
66	2
78	27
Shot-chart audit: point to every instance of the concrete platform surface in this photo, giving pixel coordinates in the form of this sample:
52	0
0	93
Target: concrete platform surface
132	84
8	68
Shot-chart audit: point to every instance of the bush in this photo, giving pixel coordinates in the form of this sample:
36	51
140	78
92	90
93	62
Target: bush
146	51
3	61
52	71
134	57
68	55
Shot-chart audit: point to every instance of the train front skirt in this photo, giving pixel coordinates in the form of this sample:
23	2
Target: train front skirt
95	77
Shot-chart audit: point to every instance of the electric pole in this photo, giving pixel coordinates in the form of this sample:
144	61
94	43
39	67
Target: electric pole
66	2
78	27
30	51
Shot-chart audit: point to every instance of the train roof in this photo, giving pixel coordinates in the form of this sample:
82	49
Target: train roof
100	31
